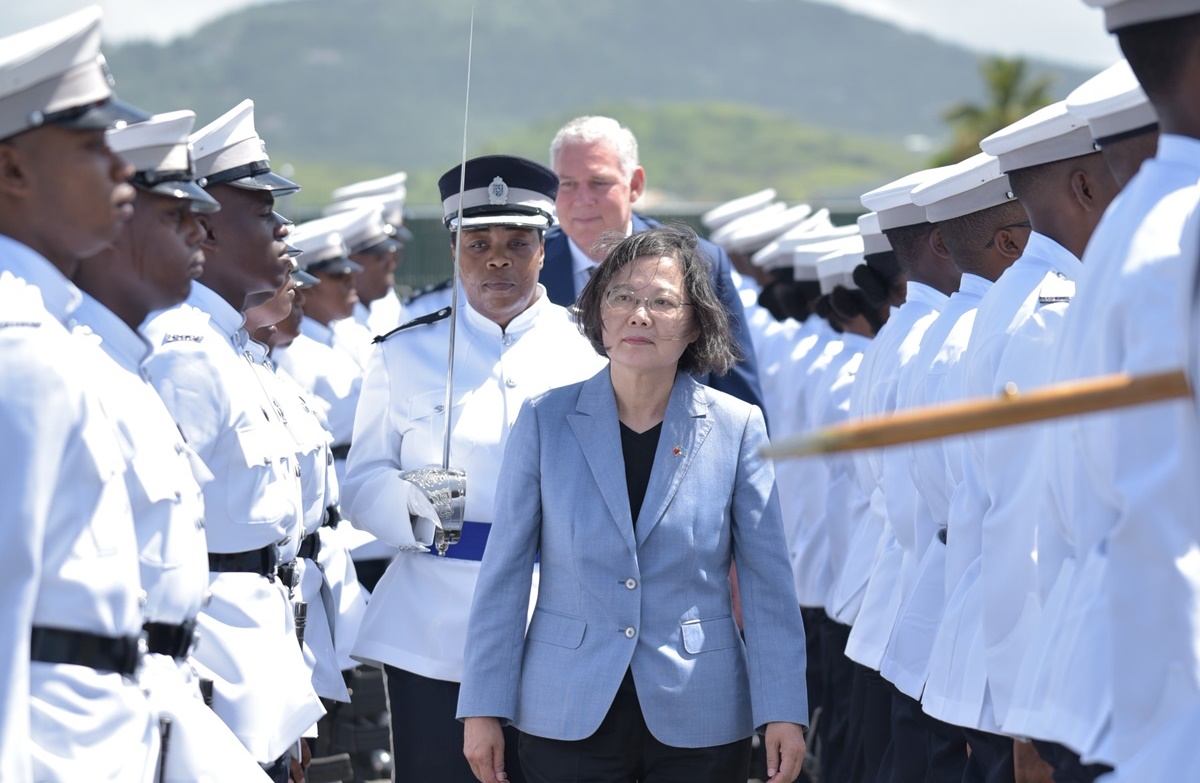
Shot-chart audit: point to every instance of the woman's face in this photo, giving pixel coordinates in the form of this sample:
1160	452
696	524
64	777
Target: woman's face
499	270
648	320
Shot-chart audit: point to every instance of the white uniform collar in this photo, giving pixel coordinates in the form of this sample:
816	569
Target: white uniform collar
127	348
222	314
919	292
974	285
256	351
315	330
1045	249
60	297
521	323
1178	150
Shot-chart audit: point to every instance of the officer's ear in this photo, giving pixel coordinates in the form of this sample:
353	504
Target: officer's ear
14	173
210	240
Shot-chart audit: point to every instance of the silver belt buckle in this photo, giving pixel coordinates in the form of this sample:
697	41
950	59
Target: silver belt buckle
446	489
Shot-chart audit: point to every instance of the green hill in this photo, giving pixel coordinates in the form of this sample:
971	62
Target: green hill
726	95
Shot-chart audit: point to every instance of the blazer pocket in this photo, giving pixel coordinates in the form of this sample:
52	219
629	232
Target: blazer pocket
562	630
717	633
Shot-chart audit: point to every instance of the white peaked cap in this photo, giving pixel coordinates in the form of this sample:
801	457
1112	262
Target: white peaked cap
874	240
160	153
756	235
322	247
1127	13
974	185
54	73
722	234
391	185
805	256
229	151
1113	104
732	210
1048	135
778	253
893	202
837	266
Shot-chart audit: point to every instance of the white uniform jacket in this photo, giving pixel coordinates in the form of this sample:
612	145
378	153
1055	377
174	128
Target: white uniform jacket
957	688
71	556
417	617
200	368
896	344
164	479
923	382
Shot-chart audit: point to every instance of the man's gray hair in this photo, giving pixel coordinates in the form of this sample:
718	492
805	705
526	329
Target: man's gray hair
589	130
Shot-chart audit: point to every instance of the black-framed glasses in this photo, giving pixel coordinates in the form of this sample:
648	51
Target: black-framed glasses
992	241
622	300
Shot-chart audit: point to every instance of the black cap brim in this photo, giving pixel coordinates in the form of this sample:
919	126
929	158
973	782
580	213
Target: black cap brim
304	279
184	189
335	266
268	181
100	116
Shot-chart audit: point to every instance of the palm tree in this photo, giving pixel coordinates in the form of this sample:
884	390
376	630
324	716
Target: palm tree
1010	98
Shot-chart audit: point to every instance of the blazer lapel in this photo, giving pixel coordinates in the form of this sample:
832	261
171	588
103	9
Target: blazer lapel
558	273
685	427
598	431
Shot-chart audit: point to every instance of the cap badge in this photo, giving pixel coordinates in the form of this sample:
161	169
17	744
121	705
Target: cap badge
498	192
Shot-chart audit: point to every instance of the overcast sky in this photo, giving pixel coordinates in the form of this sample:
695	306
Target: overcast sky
1060	30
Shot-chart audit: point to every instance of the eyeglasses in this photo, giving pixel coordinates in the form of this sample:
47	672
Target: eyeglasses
622	300
992	241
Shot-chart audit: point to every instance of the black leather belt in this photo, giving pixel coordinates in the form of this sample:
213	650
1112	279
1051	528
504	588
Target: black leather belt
287	574
119	654
259	561
332	516
340	452
310	547
168	639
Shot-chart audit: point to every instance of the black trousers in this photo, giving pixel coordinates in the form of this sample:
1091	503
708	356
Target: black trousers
623	750
834	728
1067	766
871	715
922	748
991	758
427	740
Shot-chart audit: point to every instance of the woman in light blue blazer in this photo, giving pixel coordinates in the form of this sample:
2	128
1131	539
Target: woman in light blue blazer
638	488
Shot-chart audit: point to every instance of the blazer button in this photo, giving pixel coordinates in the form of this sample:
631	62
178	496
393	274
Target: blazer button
630	632
631	583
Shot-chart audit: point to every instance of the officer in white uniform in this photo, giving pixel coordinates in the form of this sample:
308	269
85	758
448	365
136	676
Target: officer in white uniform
1130	503
69	706
1043	154
931	278
151	266
1028	514
254	514
511	343
379	310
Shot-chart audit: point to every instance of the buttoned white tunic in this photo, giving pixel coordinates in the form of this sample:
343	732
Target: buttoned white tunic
164	479
417	617
895	346
923	382
199	366
956	691
71	555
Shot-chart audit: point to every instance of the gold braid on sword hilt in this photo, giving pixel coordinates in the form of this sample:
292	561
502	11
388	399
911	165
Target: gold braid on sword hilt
1072	398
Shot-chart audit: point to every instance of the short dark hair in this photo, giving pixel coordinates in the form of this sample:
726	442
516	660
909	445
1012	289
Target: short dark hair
714	350
878	276
1157	52
966	236
906	242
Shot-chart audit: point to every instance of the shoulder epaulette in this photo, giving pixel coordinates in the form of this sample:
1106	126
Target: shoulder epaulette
1056	289
430	318
429	289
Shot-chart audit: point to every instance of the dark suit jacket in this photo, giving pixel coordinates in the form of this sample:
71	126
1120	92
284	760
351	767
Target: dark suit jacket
558	276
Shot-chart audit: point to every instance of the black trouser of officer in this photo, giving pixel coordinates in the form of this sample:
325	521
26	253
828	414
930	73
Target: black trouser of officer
1068	768
923	748
427	738
870	715
834	728
623	750
991	758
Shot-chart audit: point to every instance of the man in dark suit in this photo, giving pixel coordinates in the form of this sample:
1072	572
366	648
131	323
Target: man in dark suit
596	161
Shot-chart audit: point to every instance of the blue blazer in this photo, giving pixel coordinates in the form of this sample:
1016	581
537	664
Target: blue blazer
656	600
558	276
